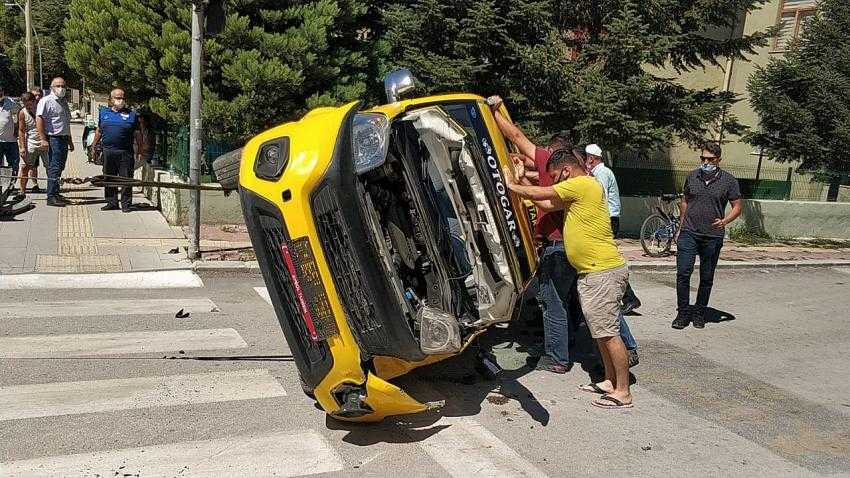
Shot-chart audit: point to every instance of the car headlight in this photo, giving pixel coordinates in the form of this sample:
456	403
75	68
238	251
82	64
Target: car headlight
370	141
272	158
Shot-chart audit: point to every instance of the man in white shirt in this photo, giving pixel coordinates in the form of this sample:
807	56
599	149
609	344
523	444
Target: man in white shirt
606	178
9	154
53	119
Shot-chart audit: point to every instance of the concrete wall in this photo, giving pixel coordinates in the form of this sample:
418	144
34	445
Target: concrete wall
785	219
174	203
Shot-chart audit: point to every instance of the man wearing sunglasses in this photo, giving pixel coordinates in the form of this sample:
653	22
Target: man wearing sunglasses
708	189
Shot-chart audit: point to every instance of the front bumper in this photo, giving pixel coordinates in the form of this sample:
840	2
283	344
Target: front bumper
303	241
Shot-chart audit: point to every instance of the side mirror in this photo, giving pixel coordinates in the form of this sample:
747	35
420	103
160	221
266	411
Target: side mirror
397	83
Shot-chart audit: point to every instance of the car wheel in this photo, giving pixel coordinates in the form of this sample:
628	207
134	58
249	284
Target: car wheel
226	169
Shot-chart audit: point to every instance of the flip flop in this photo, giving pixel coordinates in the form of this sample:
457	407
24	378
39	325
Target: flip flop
608	401
592	388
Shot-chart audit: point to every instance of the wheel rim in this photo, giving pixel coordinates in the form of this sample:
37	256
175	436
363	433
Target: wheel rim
656	235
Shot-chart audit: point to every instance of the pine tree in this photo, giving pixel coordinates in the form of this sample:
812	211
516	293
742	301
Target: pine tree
273	61
587	66
803	99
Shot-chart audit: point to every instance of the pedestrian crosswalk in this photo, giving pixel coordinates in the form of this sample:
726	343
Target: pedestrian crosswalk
68	398
91	333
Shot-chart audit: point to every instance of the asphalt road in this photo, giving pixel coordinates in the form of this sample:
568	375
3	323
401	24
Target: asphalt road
106	382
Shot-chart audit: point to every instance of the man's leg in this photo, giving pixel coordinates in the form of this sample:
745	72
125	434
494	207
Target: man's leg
54	168
14	157
619	363
709	254
686	251
110	167
125	170
555	323
62	161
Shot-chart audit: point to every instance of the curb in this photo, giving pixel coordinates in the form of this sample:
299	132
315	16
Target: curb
226	266
671	266
254	267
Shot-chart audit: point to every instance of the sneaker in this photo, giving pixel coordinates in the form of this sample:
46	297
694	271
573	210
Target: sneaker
63	199
698	317
683	318
35	189
634	358
109	207
548	364
55	202
126	208
630	306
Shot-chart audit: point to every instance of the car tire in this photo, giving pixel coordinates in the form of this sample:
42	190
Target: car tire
226	169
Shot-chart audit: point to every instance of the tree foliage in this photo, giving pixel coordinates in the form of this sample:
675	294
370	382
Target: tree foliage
587	66
803	99
47	19
274	59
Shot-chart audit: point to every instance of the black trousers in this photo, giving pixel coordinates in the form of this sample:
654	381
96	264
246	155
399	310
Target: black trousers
118	162
629	296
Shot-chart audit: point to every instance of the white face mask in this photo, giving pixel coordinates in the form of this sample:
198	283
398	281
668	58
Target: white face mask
59	92
118	103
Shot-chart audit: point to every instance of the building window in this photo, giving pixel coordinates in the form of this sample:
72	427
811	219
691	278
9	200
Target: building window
792	19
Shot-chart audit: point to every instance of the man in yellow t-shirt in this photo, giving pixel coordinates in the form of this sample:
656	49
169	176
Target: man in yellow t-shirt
591	249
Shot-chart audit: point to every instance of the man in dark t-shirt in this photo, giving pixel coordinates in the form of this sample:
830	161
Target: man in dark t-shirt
119	131
708	189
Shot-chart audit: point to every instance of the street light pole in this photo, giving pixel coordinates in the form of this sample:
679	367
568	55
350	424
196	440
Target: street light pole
28	36
196	147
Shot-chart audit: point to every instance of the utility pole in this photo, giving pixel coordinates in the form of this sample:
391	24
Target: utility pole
196	147
28	37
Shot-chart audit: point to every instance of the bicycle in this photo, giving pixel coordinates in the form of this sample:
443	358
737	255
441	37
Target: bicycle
660	228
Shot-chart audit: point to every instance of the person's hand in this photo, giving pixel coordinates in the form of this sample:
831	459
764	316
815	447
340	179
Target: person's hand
45	145
676	236
495	102
510	180
519	166
70	145
24	154
719	223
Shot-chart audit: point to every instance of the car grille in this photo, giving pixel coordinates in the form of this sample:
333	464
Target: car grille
274	237
348	275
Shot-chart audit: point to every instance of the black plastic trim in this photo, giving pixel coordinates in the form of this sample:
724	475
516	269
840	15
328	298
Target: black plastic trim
267	229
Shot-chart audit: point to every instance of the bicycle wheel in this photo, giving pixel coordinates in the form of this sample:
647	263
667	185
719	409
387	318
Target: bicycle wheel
656	235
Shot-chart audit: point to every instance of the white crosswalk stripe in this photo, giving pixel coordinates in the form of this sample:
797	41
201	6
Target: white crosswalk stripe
118	280
69	398
465	448
107	307
264	293
282	454
111	343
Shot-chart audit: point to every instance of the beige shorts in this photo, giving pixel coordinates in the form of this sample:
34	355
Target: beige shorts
600	294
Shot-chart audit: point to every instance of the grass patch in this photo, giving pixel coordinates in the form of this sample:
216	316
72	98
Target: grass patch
749	236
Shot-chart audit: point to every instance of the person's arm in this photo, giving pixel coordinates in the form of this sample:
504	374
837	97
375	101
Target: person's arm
22	135
39	124
683	207
96	140
733	195
733	214
510	131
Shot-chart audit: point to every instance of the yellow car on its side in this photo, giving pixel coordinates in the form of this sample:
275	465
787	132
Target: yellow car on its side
387	240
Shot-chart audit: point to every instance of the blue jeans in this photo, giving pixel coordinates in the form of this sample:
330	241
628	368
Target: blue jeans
10	155
555	290
690	246
56	158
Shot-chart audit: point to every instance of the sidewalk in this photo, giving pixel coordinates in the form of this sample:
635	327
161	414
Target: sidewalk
736	254
82	238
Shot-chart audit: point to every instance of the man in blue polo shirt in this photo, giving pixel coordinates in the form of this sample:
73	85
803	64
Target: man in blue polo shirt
118	130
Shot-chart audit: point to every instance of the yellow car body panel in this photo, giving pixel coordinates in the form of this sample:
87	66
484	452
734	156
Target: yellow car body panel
312	141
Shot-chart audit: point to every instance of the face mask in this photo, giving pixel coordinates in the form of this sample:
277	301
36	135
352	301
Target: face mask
708	167
59	92
118	103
